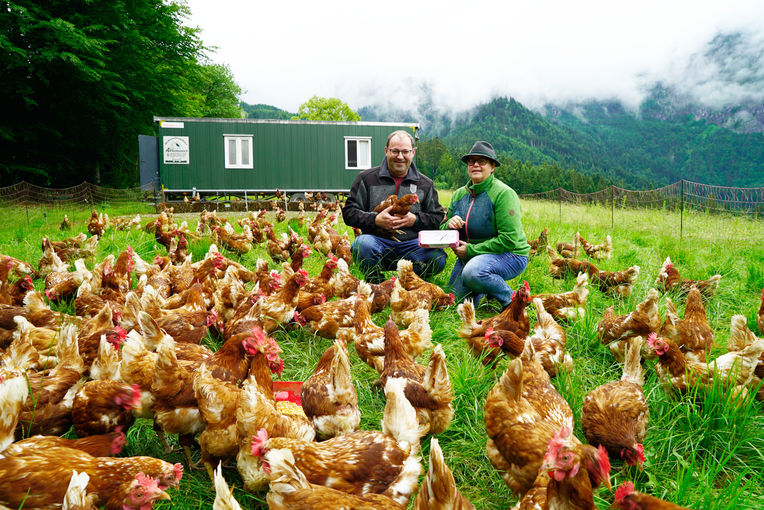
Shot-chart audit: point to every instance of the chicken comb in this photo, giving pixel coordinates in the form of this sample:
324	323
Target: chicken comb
304	273
651	339
30	284
604	461
623	490
147	482
177	468
526	286
258	443
640	453
488	332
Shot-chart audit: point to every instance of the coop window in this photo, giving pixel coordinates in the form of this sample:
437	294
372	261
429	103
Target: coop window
238	151
357	152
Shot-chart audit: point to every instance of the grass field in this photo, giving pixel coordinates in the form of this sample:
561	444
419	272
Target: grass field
705	453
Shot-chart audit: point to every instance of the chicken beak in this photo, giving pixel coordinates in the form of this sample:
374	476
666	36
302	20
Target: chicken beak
606	482
164	496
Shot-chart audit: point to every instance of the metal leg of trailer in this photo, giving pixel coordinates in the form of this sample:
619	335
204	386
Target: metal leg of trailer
217	201
246	202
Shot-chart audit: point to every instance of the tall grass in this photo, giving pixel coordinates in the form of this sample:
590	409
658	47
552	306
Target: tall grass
702	451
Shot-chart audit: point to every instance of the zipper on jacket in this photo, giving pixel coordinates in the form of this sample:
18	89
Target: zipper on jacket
467	219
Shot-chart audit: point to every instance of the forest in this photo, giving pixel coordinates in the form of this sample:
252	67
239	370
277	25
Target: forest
79	85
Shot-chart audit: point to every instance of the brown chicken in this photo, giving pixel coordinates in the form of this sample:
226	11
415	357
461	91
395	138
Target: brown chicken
615	331
237	243
692	334
522	413
291	490
65	225
62	285
280	308
217	401
539	244
615	414
100	407
567	250
321	283
13	395
342	249
329	398
514	318
405	305
328	318
399	206
574	470
598	251
760	316
162	237
735	369
567	305
740	338
39	478
549	342
614	283
277	248
48	408
669	279
14	294
69	250
428	389
257	410
315	225
626	498
343	282
50	261
359	463
96	224
438	490
101	445
369	339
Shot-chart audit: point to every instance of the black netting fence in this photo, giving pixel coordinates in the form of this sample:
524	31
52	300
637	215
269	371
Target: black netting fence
684	198
85	195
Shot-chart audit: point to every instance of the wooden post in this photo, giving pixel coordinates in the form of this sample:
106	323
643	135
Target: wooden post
681	210
559	192
612	205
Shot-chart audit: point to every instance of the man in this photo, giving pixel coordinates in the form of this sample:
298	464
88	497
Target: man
397	175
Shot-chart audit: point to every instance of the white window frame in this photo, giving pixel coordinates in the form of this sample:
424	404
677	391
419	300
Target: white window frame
241	140
361	165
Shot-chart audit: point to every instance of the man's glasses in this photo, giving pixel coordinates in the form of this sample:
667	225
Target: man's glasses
396	152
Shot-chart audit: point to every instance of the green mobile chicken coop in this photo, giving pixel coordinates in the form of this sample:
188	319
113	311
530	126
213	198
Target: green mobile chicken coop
256	156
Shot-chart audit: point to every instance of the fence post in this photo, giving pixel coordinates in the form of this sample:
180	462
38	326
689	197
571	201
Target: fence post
559	193
612	205
681	210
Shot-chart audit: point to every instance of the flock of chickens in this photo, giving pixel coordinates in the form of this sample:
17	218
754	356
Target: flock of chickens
136	351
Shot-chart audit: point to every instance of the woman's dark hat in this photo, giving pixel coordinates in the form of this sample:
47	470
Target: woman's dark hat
484	149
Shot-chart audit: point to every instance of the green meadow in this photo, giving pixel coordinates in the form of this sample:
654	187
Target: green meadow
703	452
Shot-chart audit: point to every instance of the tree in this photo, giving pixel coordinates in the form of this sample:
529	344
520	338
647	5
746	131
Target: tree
79	84
217	94
326	108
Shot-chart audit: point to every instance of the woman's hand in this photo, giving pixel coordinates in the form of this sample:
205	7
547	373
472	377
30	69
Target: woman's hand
455	222
460	250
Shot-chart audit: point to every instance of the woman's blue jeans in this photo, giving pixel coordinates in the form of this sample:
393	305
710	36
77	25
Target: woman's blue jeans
375	254
486	275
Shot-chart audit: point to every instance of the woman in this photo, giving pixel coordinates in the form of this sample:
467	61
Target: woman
492	245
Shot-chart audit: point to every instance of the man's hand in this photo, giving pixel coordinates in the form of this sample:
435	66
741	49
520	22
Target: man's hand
461	250
455	222
389	222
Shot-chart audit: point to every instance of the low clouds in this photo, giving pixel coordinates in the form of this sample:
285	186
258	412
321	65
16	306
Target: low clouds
462	54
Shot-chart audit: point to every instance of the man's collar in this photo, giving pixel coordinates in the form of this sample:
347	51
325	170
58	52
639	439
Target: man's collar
412	175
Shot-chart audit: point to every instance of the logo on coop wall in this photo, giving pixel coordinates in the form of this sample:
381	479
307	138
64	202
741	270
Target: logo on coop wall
175	150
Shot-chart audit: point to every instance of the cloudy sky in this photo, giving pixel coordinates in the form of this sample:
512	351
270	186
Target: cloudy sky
371	52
